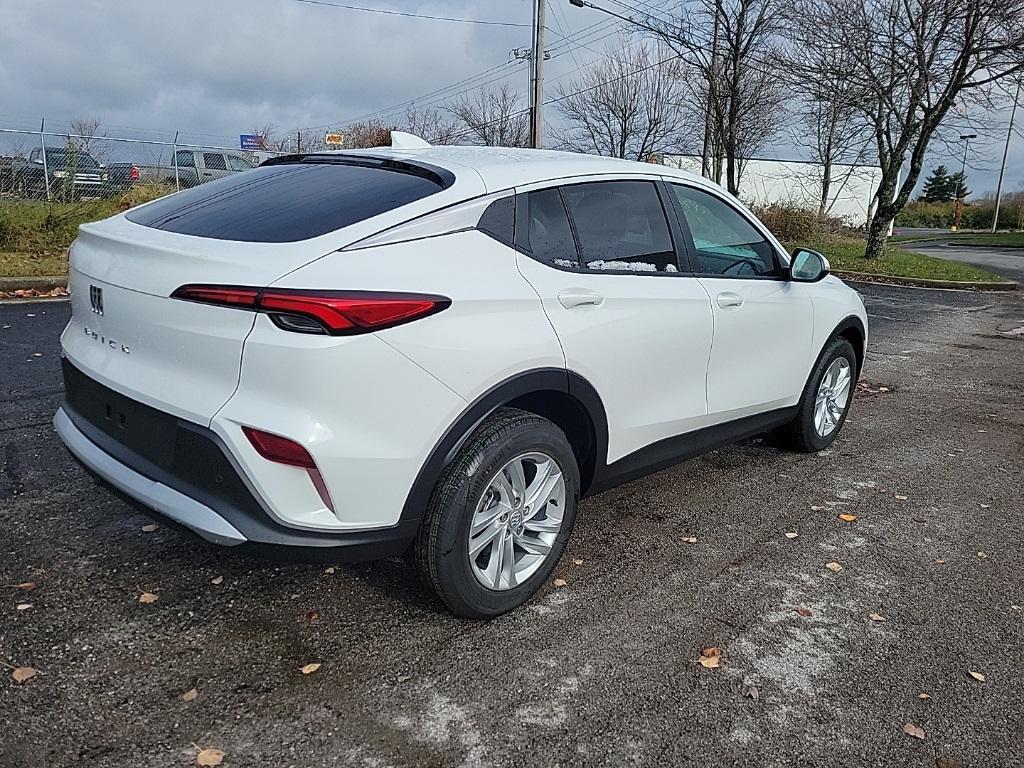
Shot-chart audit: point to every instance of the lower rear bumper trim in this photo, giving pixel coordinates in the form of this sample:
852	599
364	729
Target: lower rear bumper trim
165	500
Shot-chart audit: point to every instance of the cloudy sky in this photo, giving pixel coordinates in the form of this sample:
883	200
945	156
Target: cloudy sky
212	69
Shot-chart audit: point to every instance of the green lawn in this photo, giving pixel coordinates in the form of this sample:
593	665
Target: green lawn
1005	239
21	264
847	255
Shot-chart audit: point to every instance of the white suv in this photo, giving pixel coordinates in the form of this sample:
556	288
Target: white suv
437	351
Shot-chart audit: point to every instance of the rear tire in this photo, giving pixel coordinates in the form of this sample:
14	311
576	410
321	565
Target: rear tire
525	521
824	404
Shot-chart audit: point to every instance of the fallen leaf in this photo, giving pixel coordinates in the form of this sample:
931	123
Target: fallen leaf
150	527
803	611
329	569
710	657
946	762
940	562
913	730
309	669
577	561
834	567
26	586
690	540
24	606
404	678
148	597
983	556
313	615
985	506
791	534
750	691
560	582
1016	607
876	617
217	581
901	498
209	758
847	518
23	674
190	695
923	696
977	676
816	508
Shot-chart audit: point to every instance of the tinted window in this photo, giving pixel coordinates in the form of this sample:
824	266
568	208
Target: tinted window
499	220
725	242
285	202
548	232
186	159
620	225
214	161
236	163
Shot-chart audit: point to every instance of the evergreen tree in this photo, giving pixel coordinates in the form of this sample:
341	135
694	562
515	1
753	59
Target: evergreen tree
958	186
937	187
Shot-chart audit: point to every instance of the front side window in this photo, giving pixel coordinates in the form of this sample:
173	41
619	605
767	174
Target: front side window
185	159
726	244
548	231
621	225
214	161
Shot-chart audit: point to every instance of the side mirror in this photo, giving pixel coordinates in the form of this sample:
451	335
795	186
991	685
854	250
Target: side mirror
808	266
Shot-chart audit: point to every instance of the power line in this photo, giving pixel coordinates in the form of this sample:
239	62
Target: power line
413	15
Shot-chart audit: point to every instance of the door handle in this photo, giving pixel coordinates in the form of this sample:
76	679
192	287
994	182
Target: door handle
578	297
729	300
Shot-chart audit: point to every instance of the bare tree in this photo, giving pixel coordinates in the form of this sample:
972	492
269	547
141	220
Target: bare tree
267	137
627	104
430	125
368	134
911	61
88	137
493	117
731	44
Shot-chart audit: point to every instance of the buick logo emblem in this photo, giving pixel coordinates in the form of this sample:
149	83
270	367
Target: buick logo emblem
96	299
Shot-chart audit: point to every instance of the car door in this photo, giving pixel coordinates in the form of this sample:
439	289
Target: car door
763	321
602	256
214	166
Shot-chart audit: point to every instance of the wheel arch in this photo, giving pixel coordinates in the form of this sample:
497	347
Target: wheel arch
563	397
852	329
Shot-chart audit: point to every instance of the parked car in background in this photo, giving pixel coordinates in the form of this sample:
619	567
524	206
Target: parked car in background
73	174
438	350
194	166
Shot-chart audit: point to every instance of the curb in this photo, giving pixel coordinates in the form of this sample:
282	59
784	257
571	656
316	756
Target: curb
913	282
32	283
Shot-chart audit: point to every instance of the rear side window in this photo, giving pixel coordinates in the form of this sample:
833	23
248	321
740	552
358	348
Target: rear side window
548	232
236	163
290	201
214	161
185	159
621	225
498	221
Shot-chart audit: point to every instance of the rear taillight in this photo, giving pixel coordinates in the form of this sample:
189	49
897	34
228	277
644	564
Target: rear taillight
283	450
339	313
134	173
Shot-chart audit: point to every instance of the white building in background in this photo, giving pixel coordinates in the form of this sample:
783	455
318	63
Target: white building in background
764	182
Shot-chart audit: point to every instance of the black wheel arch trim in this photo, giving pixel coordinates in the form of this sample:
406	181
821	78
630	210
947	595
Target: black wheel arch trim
501	394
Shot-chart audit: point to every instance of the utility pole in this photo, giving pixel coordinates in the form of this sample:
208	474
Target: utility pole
1006	151
712	105
537	79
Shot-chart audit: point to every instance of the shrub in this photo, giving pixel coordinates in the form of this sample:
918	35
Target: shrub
143	193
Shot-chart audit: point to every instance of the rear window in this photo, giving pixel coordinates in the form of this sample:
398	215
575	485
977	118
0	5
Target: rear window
294	199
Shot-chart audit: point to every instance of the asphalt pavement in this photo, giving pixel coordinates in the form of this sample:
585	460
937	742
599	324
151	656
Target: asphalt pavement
1008	262
600	672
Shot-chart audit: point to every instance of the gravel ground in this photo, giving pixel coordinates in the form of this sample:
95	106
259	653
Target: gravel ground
600	672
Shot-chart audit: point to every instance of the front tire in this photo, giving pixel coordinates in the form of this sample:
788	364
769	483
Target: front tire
825	401
500	515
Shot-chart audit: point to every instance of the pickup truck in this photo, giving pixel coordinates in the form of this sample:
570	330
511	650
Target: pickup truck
195	166
73	174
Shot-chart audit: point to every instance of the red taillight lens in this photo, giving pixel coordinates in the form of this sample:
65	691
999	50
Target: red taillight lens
279	449
338	313
135	173
225	295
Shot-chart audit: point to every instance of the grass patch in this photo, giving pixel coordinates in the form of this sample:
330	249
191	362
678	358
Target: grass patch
1005	239
20	264
847	255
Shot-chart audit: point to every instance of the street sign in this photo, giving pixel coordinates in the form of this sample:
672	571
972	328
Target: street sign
334	139
250	141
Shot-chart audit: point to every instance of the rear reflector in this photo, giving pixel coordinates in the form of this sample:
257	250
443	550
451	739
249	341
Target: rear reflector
338	313
284	451
279	449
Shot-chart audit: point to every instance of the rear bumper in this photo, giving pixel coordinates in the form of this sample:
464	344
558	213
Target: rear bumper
185	473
